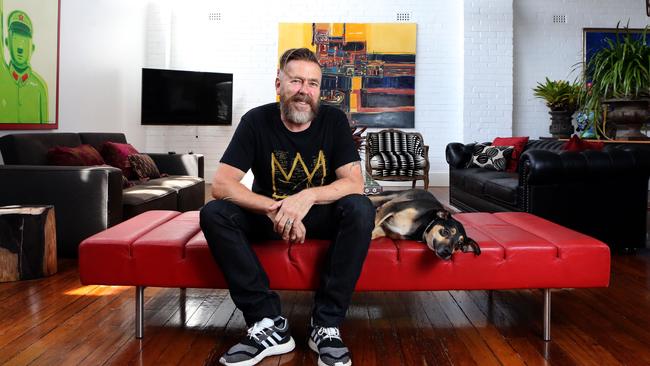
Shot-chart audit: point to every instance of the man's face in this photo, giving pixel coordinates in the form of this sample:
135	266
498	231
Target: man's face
20	48
298	86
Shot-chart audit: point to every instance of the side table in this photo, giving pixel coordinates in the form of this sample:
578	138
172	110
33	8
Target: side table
27	242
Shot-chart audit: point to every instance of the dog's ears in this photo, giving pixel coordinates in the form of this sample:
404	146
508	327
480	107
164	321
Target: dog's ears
469	245
443	214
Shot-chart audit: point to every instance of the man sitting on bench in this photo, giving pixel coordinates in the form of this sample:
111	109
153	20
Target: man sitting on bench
308	183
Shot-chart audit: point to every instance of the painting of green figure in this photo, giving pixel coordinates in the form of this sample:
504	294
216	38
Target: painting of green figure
23	92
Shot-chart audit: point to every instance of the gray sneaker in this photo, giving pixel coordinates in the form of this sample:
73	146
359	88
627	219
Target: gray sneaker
327	342
265	338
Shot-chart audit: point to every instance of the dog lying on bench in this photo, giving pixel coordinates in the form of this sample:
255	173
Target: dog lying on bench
416	214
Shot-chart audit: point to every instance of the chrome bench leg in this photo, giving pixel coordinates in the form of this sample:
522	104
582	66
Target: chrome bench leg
139	312
181	304
547	314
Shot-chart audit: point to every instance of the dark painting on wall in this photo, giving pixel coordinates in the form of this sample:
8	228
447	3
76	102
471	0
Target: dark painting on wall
595	39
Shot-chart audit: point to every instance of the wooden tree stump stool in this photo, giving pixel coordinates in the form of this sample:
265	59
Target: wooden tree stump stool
27	242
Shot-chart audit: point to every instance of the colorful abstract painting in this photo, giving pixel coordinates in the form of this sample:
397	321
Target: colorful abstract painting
368	68
28	64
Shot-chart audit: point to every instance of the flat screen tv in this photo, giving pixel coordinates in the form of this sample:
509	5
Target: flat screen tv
174	97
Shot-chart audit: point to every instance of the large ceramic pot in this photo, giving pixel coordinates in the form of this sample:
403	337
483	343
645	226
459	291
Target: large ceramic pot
561	126
628	116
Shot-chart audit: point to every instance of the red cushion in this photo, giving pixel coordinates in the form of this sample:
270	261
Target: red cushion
578	144
519	144
82	155
117	155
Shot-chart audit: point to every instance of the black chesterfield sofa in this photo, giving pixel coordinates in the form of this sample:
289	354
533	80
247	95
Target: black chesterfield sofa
90	199
603	194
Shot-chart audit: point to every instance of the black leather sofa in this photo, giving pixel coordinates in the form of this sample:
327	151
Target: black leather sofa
603	194
90	199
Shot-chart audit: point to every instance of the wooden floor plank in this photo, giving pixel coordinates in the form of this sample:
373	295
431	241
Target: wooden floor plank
202	350
158	310
511	324
383	336
479	350
78	336
57	341
453	346
575	342
490	334
524	318
194	327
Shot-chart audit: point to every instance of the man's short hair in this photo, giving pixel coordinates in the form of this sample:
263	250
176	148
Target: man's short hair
293	54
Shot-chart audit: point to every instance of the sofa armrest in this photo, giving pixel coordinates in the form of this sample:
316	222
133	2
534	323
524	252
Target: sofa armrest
458	154
548	167
603	194
86	199
179	164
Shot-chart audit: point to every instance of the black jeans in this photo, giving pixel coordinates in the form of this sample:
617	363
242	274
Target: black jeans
348	222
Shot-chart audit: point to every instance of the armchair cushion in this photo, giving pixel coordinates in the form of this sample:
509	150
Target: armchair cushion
404	163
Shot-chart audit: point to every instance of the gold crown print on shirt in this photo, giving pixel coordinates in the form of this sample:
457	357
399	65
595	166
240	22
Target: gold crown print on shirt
292	175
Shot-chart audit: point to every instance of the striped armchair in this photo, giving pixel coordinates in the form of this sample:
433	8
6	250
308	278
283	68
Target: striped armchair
398	156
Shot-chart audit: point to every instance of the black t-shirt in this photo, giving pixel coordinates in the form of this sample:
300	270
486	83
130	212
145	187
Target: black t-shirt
285	162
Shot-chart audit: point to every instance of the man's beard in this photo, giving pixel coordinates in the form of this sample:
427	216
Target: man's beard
297	116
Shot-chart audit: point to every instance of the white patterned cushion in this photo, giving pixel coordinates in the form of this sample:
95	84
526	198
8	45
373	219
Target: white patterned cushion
388	163
491	157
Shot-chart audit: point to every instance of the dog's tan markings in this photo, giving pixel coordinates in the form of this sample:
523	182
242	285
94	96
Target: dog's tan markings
379	219
378	232
434	238
401	222
380	199
385	211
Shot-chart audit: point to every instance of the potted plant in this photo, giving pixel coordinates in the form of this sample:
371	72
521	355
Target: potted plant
561	98
617	86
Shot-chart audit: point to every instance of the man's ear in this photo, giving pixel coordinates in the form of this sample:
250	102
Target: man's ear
443	214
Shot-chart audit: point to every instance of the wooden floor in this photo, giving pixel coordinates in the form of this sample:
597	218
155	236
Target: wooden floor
56	321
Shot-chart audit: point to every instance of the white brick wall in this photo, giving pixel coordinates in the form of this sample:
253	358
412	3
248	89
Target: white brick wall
468	71
245	44
543	48
488	57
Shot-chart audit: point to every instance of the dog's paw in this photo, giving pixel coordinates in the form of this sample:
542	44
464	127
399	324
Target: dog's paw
469	245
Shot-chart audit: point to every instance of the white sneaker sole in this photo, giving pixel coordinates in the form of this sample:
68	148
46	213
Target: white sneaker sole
271	351
313	347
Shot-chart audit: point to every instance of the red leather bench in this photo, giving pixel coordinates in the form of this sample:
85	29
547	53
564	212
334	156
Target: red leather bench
519	251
